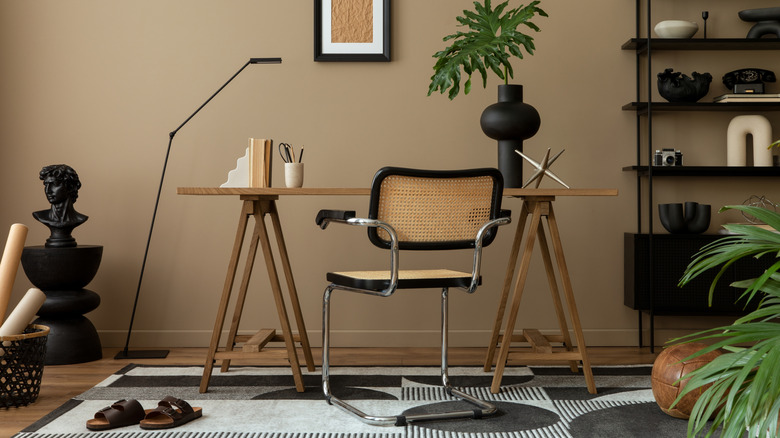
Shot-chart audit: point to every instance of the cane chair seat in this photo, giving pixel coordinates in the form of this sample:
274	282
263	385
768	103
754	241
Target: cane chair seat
407	279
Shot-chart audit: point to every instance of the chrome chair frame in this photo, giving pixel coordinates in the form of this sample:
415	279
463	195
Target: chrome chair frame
482	408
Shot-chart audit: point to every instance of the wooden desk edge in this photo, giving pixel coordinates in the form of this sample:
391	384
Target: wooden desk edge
278	191
271	191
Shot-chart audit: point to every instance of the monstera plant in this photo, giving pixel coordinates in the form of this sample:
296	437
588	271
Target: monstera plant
744	396
490	42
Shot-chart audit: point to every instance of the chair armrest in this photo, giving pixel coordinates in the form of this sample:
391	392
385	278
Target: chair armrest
505	217
324	217
502	219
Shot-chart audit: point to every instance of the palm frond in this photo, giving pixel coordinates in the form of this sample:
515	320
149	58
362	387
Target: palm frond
744	395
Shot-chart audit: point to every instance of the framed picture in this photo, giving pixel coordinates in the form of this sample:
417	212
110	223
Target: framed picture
352	30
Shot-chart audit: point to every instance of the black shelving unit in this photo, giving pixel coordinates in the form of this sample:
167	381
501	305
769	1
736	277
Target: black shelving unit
643	107
645	245
699	171
641	44
670	252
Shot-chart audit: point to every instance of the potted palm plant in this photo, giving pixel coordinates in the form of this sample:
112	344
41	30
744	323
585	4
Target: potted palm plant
744	395
490	42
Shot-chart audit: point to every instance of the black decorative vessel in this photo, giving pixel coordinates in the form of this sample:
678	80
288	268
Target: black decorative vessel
677	87
694	219
510	121
767	22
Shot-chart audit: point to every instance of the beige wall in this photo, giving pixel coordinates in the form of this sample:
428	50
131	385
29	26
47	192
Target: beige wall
98	85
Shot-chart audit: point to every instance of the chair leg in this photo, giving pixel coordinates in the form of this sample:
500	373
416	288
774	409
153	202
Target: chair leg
326	343
445	330
485	408
329	397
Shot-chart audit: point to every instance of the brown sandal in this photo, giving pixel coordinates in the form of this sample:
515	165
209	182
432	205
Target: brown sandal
170	412
121	413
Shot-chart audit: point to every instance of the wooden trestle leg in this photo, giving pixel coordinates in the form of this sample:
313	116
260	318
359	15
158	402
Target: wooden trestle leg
541	350
258	207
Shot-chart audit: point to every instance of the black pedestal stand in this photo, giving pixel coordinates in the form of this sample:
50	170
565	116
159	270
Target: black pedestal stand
62	273
73	338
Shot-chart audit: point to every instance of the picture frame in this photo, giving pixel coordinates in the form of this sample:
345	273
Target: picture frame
342	35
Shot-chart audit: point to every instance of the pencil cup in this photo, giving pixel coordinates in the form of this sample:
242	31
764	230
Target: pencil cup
293	174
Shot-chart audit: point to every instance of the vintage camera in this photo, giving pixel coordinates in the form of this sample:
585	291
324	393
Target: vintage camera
668	157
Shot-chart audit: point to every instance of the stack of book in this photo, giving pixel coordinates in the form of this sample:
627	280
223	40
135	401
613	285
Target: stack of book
752	98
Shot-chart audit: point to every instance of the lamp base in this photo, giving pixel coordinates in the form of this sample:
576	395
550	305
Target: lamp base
142	354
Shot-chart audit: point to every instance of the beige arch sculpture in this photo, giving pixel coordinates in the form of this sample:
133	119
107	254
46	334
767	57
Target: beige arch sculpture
736	140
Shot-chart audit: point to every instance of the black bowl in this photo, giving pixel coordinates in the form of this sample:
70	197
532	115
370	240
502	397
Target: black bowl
677	87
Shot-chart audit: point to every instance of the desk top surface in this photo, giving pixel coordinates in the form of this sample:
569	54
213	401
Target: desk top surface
320	191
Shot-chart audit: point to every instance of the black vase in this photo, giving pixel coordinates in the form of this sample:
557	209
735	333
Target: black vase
694	220
510	121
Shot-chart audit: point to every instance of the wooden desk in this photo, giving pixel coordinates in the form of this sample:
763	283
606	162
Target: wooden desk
538	204
259	202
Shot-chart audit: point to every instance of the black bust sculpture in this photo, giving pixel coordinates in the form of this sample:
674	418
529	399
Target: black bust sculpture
61	269
61	185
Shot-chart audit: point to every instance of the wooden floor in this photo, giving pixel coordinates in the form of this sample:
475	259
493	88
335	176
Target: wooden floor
62	382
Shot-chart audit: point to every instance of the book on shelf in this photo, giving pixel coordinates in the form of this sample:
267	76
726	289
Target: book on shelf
752	98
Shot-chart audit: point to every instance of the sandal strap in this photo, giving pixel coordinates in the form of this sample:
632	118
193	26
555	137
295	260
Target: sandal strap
178	403
172	407
121	411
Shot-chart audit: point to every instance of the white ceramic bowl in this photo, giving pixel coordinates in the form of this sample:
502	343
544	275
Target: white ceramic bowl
676	29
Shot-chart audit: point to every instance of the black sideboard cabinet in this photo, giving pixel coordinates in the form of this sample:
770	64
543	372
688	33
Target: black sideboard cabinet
671	255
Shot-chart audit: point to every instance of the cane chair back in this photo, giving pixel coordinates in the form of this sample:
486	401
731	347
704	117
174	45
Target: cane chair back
434	210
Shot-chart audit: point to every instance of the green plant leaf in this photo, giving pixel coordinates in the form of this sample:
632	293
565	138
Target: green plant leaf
492	37
744	396
750	241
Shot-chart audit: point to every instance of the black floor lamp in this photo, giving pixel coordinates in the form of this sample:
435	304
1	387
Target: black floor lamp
159	354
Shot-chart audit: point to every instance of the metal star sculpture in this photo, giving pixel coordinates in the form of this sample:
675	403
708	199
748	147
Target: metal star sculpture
543	169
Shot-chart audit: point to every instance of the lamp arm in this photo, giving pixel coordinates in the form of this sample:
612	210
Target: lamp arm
173	133
162	179
251	61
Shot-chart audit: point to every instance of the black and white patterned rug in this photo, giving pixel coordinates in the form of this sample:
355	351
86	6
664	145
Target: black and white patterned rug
260	402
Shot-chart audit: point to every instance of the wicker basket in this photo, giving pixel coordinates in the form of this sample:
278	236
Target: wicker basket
21	366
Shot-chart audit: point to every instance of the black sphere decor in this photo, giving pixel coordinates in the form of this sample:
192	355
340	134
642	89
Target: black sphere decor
510	121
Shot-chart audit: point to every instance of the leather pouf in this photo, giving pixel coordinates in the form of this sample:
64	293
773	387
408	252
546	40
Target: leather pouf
668	368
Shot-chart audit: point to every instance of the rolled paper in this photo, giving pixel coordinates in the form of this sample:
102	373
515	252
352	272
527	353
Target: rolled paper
23	313
9	264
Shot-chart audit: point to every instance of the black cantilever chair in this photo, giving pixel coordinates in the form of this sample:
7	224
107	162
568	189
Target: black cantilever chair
420	210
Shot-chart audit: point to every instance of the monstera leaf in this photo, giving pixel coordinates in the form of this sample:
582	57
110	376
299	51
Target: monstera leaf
490	42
